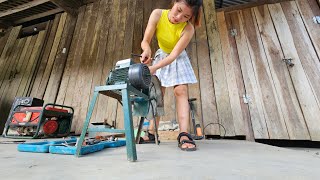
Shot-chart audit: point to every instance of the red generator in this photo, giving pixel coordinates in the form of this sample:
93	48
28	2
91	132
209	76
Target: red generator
29	119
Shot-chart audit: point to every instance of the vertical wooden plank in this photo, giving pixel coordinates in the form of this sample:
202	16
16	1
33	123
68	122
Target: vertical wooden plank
255	105
39	62
291	111
51	58
230	76
272	111
302	87
60	60
218	74
97	63
103	105
6	98
138	31
112	106
7	51
11	69
128	36
119	53
128	46
4	39
85	74
22	62
194	89
71	65
26	68
76	59
304	46
11	61
315	7
312	28
20	72
45	57
239	79
35	58
137	38
102	46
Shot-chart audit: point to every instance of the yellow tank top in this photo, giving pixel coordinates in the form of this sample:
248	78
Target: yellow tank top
168	34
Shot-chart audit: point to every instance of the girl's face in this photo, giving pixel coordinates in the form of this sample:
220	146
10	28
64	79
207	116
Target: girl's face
180	13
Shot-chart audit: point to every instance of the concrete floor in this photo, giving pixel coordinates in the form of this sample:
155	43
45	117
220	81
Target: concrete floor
215	159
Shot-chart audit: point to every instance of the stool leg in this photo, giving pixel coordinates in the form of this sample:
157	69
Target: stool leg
86	123
139	130
128	124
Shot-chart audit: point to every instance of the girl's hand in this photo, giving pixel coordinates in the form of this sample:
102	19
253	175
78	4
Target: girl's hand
152	69
146	57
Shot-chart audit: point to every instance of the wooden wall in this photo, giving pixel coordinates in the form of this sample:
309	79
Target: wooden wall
234	54
33	65
284	100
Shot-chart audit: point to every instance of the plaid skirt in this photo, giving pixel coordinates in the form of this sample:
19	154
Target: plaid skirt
178	72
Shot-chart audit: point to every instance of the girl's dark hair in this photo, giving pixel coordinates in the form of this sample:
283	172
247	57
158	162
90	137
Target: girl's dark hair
196	6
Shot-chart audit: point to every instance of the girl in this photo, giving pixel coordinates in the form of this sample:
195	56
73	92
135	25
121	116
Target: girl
174	29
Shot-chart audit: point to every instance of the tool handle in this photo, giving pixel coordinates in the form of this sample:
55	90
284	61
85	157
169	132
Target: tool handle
138	55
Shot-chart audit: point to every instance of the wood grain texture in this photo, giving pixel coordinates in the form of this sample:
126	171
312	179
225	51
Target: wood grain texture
194	89
71	64
289	104
51	31
85	74
298	75
239	80
103	103
238	121
218	69
255	104
208	99
308	10
103	19
58	69
272	112
304	45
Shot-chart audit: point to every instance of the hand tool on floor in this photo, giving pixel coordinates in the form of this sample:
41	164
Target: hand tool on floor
131	85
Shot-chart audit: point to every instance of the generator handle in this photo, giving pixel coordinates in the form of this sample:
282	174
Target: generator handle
63	106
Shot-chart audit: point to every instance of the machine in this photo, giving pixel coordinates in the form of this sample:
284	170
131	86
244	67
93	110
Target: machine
28	118
138	92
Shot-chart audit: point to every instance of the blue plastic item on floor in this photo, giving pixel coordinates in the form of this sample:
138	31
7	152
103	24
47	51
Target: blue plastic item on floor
43	146
71	150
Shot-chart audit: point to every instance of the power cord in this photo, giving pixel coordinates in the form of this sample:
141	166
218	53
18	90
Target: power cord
225	132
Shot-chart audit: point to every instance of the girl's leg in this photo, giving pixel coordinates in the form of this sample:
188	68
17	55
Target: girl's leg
151	125
182	107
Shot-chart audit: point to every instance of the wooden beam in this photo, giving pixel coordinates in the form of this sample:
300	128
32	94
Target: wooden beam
70	6
22	7
84	2
33	29
4	24
250	4
40	15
